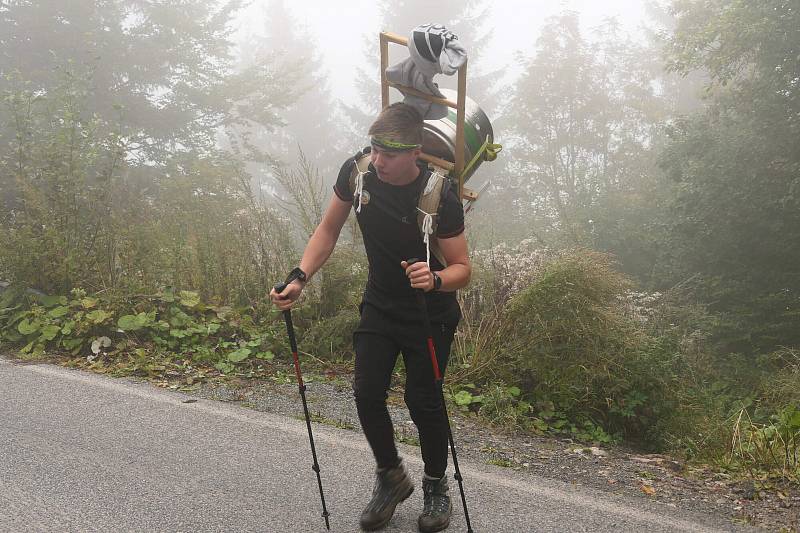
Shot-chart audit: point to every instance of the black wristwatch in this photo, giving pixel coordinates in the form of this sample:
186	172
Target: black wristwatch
296	273
437	281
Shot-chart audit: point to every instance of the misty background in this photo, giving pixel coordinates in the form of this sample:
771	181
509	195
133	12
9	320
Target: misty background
635	253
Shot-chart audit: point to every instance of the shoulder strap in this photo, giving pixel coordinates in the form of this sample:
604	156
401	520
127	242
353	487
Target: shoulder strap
360	168
428	210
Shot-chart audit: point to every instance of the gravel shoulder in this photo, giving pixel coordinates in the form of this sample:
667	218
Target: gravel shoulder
614	469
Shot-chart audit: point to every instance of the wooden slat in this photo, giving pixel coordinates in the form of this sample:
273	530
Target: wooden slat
384	65
468	194
439	162
460	116
426	96
394	38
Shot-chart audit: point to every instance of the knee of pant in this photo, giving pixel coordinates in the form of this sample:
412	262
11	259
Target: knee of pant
422	406
366	395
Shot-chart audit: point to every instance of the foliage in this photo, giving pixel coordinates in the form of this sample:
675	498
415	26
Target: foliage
781	378
62	174
138	335
586	356
111	173
574	348
83	216
502	406
498	273
770	450
730	39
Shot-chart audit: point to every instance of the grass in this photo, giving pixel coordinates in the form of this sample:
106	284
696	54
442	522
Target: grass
324	420
505	463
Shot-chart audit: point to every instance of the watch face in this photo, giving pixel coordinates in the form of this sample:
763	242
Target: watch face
296	273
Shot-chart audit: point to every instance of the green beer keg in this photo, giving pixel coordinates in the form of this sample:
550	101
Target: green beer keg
439	138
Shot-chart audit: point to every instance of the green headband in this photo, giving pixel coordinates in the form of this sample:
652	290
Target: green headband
394	146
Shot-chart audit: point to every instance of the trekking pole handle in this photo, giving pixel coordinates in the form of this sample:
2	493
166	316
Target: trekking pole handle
419	292
293	275
280	287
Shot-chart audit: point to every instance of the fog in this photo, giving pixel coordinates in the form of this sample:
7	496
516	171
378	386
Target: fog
344	33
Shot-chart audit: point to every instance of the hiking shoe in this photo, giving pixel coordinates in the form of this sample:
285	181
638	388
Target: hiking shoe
437	507
392	486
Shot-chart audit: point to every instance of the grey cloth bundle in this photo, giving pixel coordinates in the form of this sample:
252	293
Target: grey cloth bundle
434	50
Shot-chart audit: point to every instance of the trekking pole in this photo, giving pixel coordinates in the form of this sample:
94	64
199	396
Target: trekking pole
439	384
287	317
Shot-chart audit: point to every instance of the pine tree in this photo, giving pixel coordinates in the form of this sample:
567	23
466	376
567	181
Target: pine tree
163	69
310	121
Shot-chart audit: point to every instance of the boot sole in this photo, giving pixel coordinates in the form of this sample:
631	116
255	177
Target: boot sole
434	530
381	525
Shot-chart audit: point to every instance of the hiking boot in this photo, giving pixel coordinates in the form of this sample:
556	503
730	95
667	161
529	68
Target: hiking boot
437	507
392	486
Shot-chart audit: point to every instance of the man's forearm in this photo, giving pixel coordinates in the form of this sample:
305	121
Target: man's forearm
454	277
318	250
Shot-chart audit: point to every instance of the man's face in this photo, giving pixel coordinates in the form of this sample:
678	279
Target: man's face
395	166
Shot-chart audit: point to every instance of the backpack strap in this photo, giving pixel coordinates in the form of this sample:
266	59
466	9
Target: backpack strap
360	169
430	200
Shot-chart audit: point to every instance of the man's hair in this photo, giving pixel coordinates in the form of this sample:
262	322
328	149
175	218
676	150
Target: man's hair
399	123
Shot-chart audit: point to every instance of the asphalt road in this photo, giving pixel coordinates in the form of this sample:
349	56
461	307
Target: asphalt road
80	452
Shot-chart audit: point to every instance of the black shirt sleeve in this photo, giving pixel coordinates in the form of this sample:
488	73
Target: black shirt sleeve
342	186
451	216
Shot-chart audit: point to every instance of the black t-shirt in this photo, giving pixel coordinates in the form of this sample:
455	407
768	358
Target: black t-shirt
388	222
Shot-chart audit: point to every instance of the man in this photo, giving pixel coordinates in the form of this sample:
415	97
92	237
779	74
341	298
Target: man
391	323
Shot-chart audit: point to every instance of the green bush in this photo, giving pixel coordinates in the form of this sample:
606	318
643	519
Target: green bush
571	345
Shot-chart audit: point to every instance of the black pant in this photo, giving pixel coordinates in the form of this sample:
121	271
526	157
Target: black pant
378	341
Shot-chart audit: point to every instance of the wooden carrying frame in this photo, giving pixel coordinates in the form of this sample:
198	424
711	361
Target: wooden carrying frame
453	168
